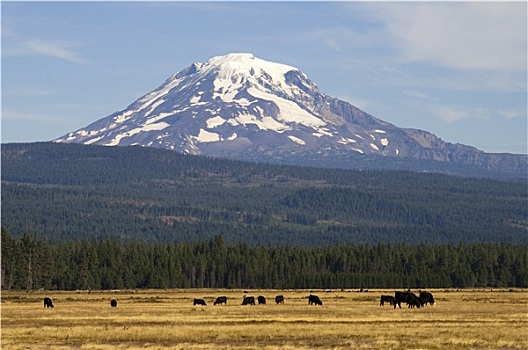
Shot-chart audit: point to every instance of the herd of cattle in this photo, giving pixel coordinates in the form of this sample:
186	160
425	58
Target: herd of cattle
409	298
279	299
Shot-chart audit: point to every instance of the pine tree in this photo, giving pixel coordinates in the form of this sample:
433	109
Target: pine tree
29	248
9	266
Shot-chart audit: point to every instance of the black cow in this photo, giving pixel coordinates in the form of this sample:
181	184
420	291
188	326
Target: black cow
199	302
407	297
261	299
386	299
248	301
426	297
48	302
414	301
113	303
314	300
220	300
279	299
399	297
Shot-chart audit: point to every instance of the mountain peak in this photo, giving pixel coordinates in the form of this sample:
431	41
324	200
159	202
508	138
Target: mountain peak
241	106
237	64
239	57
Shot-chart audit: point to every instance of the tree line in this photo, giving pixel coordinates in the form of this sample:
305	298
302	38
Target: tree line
29	263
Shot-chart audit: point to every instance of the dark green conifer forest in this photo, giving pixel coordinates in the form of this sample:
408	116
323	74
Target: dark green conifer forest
30	264
90	217
61	192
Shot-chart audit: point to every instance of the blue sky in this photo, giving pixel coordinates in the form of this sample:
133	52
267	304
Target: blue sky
458	70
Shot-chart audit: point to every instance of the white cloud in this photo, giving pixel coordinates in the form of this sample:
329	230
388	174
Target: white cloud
16	45
475	35
55	49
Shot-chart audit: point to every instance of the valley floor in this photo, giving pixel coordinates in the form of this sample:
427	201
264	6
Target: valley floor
348	319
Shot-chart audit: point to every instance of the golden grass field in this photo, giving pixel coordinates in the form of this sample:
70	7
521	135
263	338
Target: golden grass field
167	319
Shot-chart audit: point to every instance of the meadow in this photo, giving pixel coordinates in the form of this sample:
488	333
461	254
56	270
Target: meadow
348	319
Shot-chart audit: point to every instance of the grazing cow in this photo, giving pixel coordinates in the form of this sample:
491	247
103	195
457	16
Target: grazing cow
407	297
279	299
426	297
248	301
261	299
113	303
48	302
199	302
386	299
414	301
314	300
220	300
399	297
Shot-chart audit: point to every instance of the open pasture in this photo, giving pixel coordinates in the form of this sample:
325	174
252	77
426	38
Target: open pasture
167	319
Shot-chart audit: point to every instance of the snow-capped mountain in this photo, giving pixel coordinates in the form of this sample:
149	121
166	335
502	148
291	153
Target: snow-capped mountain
243	107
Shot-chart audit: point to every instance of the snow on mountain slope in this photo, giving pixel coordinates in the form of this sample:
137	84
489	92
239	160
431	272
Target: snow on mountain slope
240	106
221	100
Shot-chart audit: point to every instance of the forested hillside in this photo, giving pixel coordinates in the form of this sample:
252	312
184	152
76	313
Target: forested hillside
68	192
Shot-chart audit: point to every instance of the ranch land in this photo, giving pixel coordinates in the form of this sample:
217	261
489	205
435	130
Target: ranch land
348	319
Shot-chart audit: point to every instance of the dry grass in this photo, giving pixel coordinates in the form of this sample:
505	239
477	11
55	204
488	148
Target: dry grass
166	319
